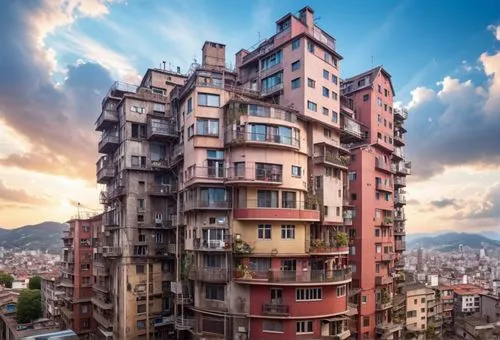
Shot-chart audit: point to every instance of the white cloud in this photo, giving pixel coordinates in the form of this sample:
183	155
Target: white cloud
495	30
420	95
491	65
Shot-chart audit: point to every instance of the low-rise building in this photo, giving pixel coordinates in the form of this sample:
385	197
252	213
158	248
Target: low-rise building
51	294
490	308
467	299
422	313
473	328
38	329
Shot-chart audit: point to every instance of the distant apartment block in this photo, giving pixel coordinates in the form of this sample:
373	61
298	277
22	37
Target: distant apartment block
52	297
76	280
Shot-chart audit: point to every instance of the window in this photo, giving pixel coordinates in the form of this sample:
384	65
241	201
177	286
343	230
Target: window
295	65
190	131
327	57
326	74
207	99
141	309
335	96
304	327
190	105
311	83
377	265
352	175
363	299
366	97
379	102
422	300
295	83
379	89
295	43
138	161
272	81
310	46
335	79
386	92
326	111
141	324
337	211
140	203
288	232
307	294
296	171
422	310
264	231
327	133
272	326
85	228
138	130
325	209
288	200
267	199
137	109
411	313
354	196
326	92
207	127
84	309
273	60
366	321
312	106
214	292
335	117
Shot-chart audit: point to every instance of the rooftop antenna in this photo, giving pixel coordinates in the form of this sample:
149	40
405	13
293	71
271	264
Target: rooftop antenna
164	62
317	19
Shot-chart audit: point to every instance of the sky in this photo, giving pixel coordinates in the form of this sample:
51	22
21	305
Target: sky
59	57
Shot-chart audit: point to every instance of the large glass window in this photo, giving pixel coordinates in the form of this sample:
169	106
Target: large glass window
288	199
207	99
213	195
207	127
268	172
158	152
267	199
272	81
272	60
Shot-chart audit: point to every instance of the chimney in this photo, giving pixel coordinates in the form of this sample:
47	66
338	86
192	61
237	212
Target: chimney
306	15
213	55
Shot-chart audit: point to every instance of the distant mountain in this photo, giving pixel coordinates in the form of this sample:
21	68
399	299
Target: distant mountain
43	236
450	241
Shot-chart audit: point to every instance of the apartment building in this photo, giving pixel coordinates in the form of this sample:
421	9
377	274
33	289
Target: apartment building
377	177
423	316
444	294
227	202
467	299
76	279
51	295
135	250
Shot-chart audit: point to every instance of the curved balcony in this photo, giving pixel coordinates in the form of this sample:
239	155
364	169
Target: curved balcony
236	138
295	278
259	210
254	175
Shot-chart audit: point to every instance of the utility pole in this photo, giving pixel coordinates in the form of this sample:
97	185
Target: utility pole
147	297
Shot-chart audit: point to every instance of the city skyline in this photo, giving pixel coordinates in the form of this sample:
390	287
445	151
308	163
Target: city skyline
68	57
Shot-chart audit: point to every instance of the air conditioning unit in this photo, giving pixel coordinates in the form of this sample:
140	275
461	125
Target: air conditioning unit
158	218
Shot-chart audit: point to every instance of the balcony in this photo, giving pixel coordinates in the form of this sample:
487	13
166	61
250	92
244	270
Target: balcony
400	245
203	204
379	185
102	320
163	190
109	142
213	245
108	251
399	139
399	231
350	130
259	139
388	328
398	153
273	309
383	280
255	209
400	114
67	283
348	216
254	175
325	246
66	312
101	304
292	277
399	200
271	90
161	129
105	170
108	117
184	323
386	167
383	257
333	160
399	182
210	274
383	305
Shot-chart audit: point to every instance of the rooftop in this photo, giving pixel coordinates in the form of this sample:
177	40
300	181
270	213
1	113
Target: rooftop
467	289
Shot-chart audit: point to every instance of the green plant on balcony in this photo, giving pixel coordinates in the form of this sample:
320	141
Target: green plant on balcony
345	160
341	239
385	297
241	247
430	332
243	271
388	220
317	243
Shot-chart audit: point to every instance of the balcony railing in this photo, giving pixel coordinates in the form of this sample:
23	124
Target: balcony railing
101	304
184	323
401	200
399	181
383	305
383	186
254	174
400	245
162	189
213	245
108	251
160	129
275	309
108	117
274	209
399	139
351	127
381	165
383	280
207	204
108	143
292	276
400	114
240	137
102	320
210	274
105	173
270	112
332	159
271	90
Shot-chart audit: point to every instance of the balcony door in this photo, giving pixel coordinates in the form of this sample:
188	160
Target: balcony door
276	296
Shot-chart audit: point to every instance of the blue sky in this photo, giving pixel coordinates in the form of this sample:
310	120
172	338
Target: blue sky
59	57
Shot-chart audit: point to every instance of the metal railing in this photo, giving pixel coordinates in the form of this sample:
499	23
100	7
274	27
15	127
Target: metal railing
252	137
400	181
270	90
214	245
108	140
400	199
310	276
270	112
161	128
273	204
331	159
163	189
184	323
209	172
253	173
275	309
400	245
351	126
384	166
210	274
207	204
401	113
108	114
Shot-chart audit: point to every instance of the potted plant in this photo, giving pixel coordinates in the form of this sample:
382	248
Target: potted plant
341	239
242	247
317	244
